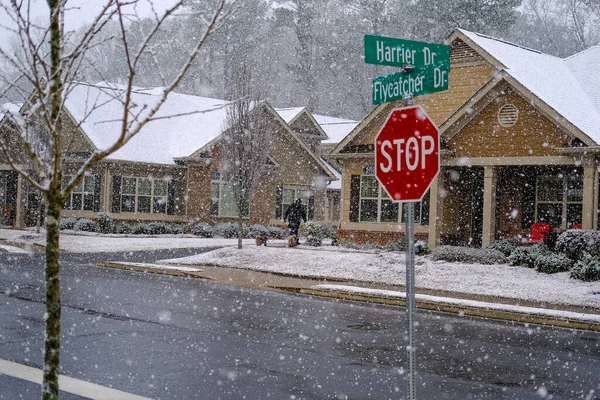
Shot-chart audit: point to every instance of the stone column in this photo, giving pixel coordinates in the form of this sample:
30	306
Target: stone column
590	196
490	177
436	211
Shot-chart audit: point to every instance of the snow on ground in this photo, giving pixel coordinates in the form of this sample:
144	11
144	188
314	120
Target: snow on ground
332	262
98	243
389	268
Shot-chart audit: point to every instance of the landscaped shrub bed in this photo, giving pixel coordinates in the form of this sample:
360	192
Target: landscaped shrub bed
576	243
468	255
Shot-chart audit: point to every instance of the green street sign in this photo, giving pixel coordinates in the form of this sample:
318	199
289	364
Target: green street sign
419	82
425	67
381	50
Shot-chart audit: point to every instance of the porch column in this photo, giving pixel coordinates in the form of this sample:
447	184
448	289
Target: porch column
436	208
105	189
590	196
490	176
21	204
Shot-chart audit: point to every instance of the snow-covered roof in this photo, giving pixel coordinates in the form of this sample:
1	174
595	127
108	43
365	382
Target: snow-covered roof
563	84
288	114
335	128
335	185
183	124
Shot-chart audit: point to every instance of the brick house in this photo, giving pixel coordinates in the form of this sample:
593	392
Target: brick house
520	134
170	171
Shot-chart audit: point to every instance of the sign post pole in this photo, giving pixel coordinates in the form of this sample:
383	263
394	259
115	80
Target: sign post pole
410	297
407	148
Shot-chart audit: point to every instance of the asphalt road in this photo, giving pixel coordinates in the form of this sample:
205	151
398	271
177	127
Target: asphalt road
172	338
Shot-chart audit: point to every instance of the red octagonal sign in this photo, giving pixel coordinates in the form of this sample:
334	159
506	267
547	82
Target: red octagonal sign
407	154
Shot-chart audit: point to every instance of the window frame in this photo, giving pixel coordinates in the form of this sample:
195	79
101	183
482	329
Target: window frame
216	202
80	190
295	195
381	198
153	199
564	202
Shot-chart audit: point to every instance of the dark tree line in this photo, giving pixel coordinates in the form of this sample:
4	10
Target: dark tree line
309	52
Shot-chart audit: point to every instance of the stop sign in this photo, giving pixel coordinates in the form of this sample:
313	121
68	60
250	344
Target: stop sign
407	154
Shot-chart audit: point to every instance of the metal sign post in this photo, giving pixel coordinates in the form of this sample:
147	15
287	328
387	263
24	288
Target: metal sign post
410	297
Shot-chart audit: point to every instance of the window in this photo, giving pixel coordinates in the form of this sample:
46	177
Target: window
377	206
290	195
559	200
144	195
83	196
222	202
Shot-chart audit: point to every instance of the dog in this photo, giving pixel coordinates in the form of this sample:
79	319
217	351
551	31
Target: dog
292	241
261	240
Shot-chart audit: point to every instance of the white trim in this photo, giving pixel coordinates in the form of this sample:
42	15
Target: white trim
66	383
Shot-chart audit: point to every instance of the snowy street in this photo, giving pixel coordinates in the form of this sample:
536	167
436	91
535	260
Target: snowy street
167	337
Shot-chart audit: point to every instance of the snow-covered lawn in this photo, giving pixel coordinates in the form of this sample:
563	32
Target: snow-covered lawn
81	242
389	268
332	262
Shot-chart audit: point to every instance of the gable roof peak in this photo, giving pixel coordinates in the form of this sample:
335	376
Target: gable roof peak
484	36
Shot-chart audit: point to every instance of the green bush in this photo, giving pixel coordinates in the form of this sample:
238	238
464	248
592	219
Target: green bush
505	246
67	223
526	255
203	230
123	229
328	231
313	234
421	248
257	230
276	232
175	229
587	269
467	255
575	243
105	223
225	229
141	228
396	245
552	263
86	225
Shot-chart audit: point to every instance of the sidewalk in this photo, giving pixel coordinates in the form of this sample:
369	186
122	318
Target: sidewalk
457	303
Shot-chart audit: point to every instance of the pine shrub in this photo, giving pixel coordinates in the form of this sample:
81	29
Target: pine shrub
396	245
313	234
67	223
526	255
105	223
86	225
587	269
203	230
123	229
276	232
552	263
257	230
575	243
225	230
141	228
467	255
505	246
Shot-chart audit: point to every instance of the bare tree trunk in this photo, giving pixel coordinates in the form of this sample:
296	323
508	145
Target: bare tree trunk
52	340
240	229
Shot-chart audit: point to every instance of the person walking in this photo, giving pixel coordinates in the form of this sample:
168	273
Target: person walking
294	213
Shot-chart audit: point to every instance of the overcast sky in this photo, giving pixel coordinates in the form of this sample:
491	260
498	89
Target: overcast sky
79	12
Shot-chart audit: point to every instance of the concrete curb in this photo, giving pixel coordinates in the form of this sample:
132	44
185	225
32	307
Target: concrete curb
540	316
500	311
